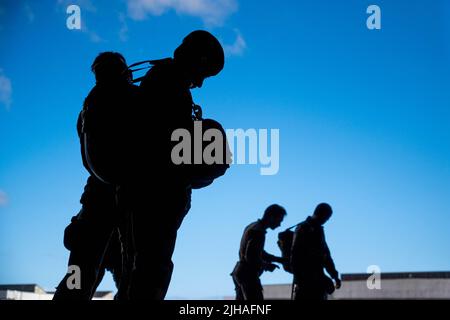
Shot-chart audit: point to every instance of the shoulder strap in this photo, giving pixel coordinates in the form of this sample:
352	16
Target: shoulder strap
150	64
293	226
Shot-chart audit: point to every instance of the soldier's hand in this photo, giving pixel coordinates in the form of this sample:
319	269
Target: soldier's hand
279	259
271	267
338	283
284	261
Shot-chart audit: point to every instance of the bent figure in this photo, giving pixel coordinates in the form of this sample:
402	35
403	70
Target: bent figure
253	259
158	193
310	255
92	237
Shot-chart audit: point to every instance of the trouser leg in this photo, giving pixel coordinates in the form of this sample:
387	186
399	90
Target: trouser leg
87	240
238	289
154	229
252	290
152	265
79	281
309	292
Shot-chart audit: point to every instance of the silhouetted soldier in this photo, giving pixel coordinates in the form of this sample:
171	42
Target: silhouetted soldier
158	193
92	236
253	260
310	255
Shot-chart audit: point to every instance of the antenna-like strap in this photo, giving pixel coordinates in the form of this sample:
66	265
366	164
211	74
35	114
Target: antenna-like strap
150	64
293	226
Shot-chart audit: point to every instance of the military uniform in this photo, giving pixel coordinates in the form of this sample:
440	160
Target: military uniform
252	262
310	255
92	237
87	238
158	193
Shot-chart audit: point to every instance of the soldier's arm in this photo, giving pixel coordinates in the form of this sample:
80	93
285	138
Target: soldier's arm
329	264
267	257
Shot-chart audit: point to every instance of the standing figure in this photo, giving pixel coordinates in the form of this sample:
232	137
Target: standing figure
310	256
92	237
157	192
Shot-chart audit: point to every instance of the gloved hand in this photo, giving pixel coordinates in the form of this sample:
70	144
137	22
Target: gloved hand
270	267
338	283
282	260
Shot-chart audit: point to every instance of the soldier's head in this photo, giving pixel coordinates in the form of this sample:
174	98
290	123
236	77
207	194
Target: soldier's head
322	213
201	56
273	215
110	66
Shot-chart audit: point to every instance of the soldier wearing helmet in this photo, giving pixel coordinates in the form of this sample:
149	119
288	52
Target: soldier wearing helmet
199	56
158	192
92	237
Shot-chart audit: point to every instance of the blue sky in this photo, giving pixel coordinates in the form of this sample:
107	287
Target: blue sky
364	119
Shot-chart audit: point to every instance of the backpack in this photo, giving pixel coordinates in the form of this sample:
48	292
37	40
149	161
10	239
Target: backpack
104	149
199	175
103	146
285	240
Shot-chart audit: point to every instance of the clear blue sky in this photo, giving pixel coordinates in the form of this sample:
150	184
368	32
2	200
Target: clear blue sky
364	120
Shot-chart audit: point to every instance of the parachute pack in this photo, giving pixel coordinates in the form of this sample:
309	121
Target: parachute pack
105	148
285	240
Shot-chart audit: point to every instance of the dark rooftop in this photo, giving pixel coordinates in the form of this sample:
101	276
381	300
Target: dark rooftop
399	275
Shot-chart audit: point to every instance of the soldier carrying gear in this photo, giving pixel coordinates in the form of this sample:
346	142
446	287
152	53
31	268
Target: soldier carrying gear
253	259
92	237
310	255
107	109
201	56
157	192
